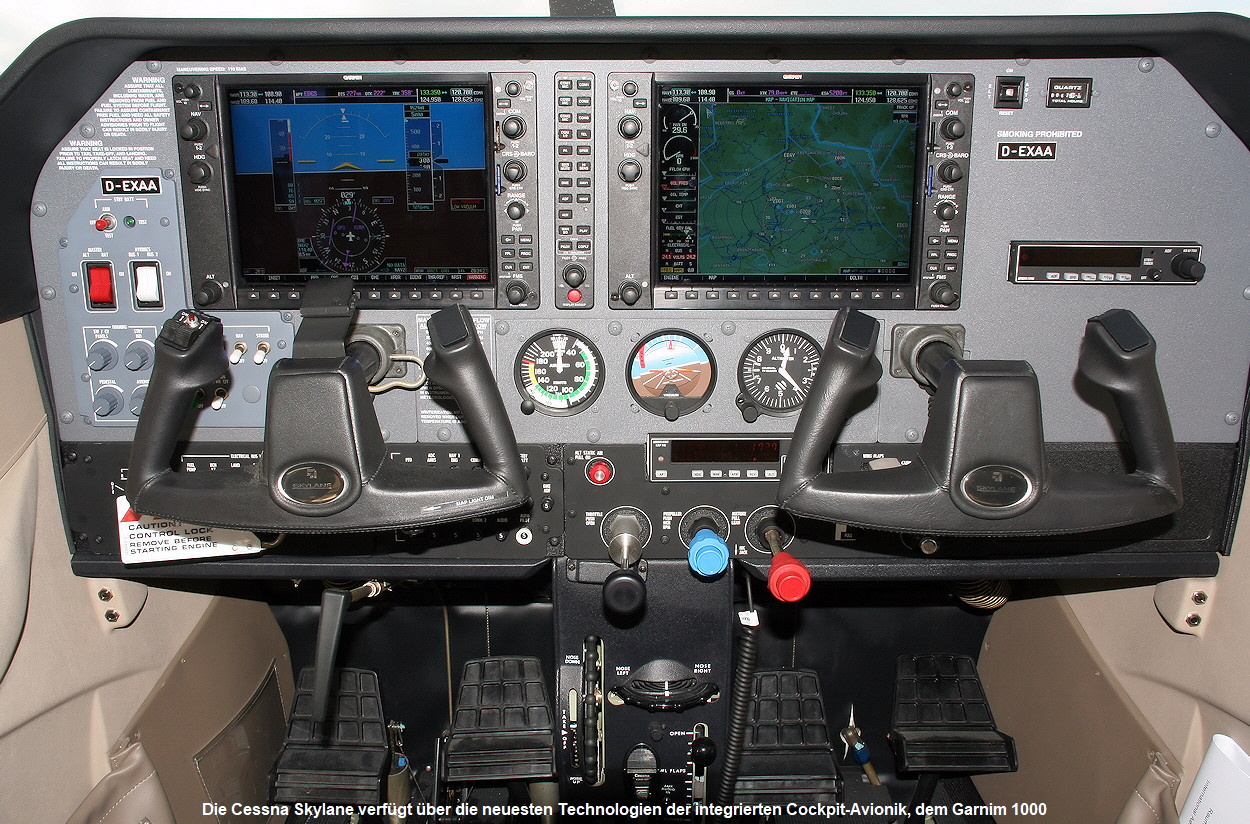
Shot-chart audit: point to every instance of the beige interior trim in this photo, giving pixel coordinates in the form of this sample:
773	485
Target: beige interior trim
1083	746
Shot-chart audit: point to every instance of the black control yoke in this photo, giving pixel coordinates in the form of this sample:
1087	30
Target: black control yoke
982	469
324	454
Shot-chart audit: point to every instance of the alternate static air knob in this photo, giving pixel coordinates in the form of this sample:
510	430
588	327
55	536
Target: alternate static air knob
630	292
709	554
1188	267
953	128
512	127
788	579
516	292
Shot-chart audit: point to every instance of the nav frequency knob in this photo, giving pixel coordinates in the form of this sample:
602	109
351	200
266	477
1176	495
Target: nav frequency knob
516	292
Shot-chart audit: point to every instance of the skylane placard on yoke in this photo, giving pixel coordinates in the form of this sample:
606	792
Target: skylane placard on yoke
810	184
385	182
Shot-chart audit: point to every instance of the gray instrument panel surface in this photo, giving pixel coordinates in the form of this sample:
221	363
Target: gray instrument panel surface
1148	160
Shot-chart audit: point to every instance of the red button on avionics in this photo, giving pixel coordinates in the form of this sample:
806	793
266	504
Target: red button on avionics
599	472
100	286
575	296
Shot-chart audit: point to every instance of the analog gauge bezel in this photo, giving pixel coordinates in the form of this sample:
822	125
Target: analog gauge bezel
579	405
751	397
684	404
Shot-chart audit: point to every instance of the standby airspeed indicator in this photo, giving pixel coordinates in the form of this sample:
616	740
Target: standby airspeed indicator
560	372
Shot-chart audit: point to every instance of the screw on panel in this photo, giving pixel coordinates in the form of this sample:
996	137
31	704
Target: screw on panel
929	546
1146	64
67	417
1245	293
1199	597
912	435
86	130
48	293
1213	130
898	57
154	65
39	209
615	327
64	242
276	57
1193	619
112	616
1022	60
728	327
105	594
165	222
168	174
502	328
593	435
1232	419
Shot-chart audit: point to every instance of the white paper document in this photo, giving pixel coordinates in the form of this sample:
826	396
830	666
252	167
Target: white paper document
1221	791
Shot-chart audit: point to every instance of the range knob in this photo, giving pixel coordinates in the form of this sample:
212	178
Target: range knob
516	210
946	210
210	292
943	294
193	129
629	171
512	127
108	400
516	292
953	128
1188	267
950	172
629	126
514	171
630	292
101	356
138	355
574	275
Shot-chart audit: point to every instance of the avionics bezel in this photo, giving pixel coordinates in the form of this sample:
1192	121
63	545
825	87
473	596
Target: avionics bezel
889	289
391	289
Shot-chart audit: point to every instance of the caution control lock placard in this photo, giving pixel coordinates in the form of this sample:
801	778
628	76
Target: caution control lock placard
145	539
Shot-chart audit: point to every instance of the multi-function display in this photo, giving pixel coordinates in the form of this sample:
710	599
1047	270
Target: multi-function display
804	183
382	182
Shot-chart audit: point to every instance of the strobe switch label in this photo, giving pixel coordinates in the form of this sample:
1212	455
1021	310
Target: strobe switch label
1027	151
148	185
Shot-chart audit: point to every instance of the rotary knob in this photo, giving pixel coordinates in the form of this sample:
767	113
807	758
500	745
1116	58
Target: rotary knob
514	171
101	356
516	292
630	292
943	294
107	401
516	210
1188	267
512	127
629	171
629	127
953	128
210	292
946	210
193	129
574	275
950	172
138	355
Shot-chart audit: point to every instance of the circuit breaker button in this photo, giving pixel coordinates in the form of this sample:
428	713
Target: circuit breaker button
100	286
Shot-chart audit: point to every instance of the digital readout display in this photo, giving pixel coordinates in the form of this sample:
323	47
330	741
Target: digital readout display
805	183
727	450
387	183
1081	257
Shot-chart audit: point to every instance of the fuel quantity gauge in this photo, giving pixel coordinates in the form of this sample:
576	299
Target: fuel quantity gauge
559	372
776	373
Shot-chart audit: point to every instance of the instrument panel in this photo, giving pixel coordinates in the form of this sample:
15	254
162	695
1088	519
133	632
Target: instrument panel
652	253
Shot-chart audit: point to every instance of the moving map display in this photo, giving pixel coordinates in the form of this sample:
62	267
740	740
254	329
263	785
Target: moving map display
383	182
797	184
